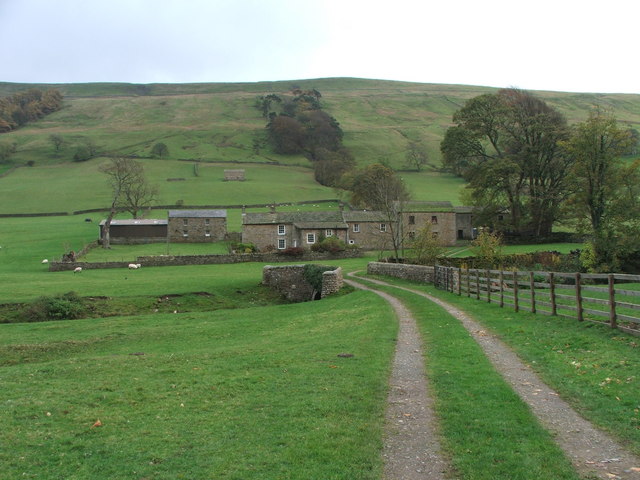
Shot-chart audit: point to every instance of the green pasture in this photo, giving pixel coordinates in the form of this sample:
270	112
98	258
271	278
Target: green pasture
251	393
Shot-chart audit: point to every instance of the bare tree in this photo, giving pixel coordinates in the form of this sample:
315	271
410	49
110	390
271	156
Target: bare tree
130	191
416	156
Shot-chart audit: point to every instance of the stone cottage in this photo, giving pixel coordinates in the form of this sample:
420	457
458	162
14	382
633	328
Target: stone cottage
197	226
447	222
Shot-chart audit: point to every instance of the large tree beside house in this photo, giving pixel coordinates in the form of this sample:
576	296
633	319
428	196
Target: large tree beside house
507	146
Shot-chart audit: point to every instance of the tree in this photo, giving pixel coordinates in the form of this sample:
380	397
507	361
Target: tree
160	150
506	145
330	166
487	248
130	191
57	141
6	151
426	247
377	187
606	188
416	156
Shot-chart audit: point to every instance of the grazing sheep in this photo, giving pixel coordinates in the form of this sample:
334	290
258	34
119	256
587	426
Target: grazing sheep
77	270
133	266
45	261
138	265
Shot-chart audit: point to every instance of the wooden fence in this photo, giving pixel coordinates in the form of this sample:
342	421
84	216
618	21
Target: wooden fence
613	299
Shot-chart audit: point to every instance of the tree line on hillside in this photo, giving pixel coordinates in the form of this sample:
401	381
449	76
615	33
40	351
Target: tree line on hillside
527	170
23	107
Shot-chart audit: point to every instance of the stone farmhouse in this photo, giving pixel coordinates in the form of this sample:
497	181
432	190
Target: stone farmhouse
366	229
197	226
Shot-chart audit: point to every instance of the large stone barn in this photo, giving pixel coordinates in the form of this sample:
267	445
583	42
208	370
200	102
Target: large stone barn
197	226
447	222
135	231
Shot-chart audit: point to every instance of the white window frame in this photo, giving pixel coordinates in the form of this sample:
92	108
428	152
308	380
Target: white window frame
282	243
282	229
328	232
207	233
311	238
356	228
207	222
383	227
185	233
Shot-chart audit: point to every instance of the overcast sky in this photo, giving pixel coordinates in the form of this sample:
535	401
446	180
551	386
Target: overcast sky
565	45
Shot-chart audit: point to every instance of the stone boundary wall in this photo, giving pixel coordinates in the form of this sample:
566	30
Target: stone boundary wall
181	260
289	281
416	273
332	282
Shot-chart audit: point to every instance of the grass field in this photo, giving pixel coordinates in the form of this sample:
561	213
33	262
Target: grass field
252	393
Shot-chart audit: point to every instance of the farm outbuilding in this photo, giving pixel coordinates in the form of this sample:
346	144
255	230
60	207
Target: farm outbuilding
197	226
136	231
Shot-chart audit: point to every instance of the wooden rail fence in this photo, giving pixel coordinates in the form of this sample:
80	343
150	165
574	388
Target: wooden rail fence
613	299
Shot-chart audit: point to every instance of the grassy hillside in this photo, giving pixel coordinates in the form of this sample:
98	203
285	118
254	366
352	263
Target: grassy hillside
217	122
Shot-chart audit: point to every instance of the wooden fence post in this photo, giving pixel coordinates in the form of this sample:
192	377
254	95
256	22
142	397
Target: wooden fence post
532	285
459	281
613	319
552	293
477	284
501	288
468	282
515	291
488	280
579	298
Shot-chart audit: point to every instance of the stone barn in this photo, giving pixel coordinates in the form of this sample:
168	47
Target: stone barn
234	175
136	231
197	226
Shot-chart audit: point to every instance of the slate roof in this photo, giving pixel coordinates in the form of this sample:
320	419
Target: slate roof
307	218
197	214
427	207
365	216
141	221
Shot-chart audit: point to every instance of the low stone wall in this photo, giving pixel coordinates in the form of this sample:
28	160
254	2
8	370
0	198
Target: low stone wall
332	282
181	260
289	280
415	273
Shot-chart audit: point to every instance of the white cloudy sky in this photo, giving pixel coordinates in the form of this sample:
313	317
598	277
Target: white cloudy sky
568	45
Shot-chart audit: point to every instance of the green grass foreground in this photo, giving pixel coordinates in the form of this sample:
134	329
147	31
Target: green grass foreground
591	366
255	393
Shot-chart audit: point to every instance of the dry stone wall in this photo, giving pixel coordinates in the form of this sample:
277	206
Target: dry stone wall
289	280
416	273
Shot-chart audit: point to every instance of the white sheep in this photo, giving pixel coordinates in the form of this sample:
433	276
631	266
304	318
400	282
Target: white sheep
133	266
138	265
45	260
77	270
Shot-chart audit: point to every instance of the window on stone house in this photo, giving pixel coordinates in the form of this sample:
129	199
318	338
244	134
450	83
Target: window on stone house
412	219
207	233
356	227
185	221
328	232
383	227
282	244
185	233
412	235
311	238
281	230
434	220
207	221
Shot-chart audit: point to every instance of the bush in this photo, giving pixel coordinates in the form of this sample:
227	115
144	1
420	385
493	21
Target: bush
313	274
67	306
292	252
329	244
243	247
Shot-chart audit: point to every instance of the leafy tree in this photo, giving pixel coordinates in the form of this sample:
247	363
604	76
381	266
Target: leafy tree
57	141
330	166
377	187
160	150
416	156
30	105
86	150
130	190
6	151
487	248
426	247
605	188
506	145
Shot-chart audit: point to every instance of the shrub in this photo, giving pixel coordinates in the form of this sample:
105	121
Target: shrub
243	247
66	306
292	252
329	244
313	274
